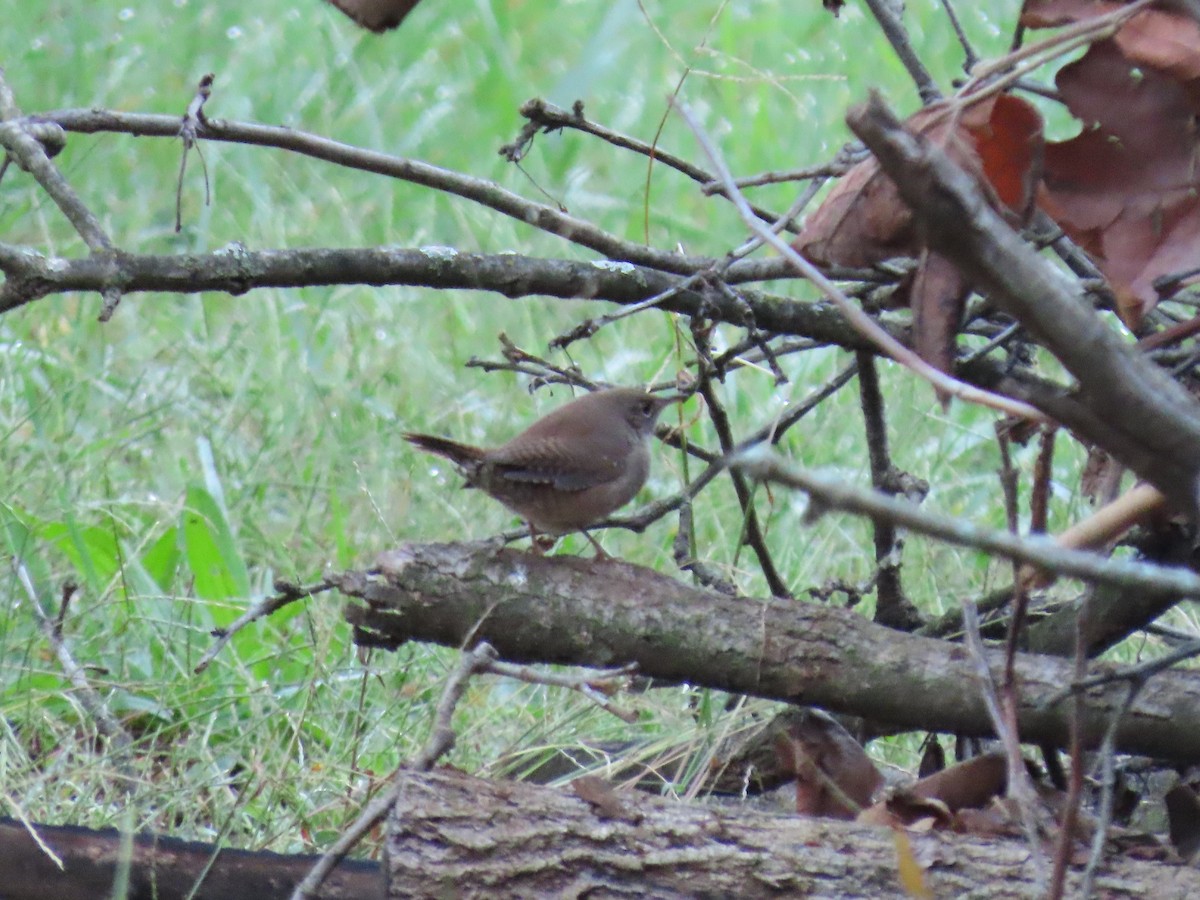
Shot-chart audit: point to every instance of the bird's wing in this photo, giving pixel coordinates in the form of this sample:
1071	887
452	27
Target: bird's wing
556	463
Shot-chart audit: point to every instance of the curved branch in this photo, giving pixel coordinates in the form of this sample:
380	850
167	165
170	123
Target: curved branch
485	193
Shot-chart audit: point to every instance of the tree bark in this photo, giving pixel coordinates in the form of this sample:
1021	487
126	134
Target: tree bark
454	835
158	868
602	613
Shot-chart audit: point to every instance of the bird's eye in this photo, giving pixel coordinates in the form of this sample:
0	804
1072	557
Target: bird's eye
647	408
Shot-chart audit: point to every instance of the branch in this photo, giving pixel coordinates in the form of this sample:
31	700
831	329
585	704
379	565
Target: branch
1035	549
545	116
236	269
583	612
485	193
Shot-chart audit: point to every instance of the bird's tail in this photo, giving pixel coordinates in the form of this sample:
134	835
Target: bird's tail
461	454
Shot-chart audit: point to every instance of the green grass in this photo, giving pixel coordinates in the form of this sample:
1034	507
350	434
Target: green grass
177	460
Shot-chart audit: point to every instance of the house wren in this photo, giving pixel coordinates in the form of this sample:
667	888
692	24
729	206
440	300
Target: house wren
571	468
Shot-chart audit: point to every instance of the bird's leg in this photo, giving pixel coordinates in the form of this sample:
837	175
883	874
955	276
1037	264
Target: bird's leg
600	554
540	543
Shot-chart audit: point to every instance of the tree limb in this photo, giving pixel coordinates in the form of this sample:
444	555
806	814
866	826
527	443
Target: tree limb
584	612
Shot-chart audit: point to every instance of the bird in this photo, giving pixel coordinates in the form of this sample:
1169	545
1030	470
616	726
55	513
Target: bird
569	469
377	15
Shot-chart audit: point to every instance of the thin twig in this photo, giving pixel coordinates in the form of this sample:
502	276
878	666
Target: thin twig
970	58
1009	484
594	685
89	698
1070	815
1020	786
751	531
862	322
892	608
287	593
1135	673
547	117
1108	750
538	215
888	17
838	167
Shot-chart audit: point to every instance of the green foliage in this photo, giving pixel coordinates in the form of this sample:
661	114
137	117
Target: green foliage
172	462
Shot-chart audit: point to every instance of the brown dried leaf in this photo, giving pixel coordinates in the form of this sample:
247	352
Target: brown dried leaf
904	809
1052	13
834	776
1011	149
972	783
1126	188
863	221
937	296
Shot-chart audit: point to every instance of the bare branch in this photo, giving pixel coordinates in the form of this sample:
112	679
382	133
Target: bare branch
485	193
1036	549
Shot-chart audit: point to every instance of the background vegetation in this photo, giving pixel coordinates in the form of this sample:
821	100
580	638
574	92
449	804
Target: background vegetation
176	460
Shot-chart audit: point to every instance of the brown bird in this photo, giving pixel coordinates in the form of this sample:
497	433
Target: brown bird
377	15
570	469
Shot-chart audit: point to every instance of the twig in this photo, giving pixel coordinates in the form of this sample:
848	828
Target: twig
684	550
1036	549
861	322
287	593
1070	815
1016	624
547	117
969	56
106	722
886	15
1133	674
1020	786
486	193
1108	749
30	154
441	740
892	608
751	532
840	165
593	685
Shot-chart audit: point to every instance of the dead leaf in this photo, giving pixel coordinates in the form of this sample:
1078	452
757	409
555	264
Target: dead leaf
1126	189
1053	13
863	221
901	808
834	776
971	783
937	296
